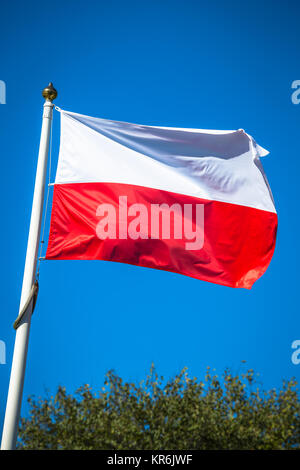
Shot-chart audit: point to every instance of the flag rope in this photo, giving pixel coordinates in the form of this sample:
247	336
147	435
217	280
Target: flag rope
46	207
32	297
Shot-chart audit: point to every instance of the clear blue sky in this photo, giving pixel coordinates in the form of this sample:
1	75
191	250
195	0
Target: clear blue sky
212	64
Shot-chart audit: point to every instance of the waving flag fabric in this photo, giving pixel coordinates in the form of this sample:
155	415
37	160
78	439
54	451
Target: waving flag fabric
190	201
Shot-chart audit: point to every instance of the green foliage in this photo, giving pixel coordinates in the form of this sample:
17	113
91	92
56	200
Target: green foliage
183	413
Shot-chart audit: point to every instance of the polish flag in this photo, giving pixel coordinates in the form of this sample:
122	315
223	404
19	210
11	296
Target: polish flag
189	201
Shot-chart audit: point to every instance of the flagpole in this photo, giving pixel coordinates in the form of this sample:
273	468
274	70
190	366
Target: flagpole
14	398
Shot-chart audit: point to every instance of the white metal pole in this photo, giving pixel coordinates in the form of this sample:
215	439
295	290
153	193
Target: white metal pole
14	398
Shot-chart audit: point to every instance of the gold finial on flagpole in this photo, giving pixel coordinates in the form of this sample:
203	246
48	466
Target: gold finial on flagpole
49	93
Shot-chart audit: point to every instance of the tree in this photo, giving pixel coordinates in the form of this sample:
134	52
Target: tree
230	412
